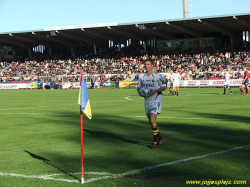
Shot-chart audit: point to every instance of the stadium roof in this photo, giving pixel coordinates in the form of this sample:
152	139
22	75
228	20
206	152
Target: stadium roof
230	25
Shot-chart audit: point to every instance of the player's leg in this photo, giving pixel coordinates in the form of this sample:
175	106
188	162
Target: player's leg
170	90
225	88
177	90
246	86
174	89
157	138
242	89
230	90
153	124
155	131
247	89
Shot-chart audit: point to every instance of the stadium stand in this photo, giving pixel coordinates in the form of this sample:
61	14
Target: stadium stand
192	65
199	47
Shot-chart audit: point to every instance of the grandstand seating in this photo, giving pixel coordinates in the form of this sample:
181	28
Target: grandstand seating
193	65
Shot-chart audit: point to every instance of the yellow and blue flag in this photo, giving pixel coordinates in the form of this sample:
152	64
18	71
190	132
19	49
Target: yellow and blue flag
83	99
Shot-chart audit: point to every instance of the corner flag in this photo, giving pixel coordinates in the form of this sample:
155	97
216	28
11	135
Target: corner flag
83	98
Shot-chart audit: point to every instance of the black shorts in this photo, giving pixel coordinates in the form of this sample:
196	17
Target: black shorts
246	82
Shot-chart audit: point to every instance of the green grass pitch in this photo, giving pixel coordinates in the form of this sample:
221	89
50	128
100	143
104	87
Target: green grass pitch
207	139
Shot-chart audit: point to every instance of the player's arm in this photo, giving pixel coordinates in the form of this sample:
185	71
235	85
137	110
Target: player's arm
245	77
138	90
172	78
139	87
157	90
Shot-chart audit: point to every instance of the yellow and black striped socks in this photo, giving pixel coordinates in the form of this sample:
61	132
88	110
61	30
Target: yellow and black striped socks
156	133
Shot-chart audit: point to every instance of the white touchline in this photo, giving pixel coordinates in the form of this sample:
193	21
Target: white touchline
127	98
38	114
3	109
36	107
136	171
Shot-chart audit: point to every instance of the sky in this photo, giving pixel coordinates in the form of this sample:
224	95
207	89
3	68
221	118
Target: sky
32	15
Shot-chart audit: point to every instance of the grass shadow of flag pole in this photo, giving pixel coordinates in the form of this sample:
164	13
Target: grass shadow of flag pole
83	101
47	162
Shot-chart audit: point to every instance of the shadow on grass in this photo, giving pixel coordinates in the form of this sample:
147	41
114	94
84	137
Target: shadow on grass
47	162
183	140
104	135
223	117
118	145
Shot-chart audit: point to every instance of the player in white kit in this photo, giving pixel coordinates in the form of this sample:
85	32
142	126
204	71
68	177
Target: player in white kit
171	91
156	83
175	78
227	82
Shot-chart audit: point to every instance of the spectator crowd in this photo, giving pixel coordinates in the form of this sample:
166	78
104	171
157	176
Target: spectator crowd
191	65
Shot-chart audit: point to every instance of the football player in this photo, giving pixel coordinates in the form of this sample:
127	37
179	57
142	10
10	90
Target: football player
245	82
175	78
156	83
226	85
171	91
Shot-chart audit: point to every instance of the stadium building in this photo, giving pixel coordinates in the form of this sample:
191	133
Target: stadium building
94	39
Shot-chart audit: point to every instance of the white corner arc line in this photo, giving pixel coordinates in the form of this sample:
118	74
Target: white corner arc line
37	177
136	171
